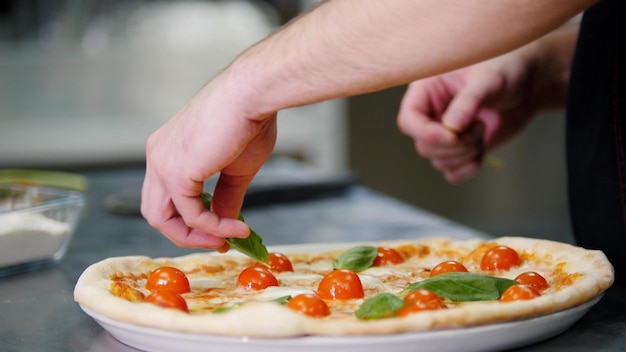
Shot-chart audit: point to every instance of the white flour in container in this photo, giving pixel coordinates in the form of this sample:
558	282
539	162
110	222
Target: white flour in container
28	237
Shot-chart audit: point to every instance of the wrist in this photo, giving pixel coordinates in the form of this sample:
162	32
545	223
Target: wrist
551	65
239	86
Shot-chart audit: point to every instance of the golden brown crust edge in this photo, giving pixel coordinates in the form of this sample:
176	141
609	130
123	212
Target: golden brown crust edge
272	320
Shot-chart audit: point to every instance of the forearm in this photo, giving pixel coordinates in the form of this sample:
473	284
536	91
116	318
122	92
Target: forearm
348	47
552	60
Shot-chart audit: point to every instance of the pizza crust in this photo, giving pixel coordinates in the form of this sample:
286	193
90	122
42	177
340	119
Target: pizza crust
268	319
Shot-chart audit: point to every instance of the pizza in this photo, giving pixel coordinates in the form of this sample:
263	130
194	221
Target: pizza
347	289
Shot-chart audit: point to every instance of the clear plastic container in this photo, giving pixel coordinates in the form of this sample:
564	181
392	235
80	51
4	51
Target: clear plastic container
36	225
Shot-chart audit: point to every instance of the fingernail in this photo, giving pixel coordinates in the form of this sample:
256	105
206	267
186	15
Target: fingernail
453	122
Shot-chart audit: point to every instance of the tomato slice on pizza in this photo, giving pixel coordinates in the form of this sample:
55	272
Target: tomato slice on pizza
380	288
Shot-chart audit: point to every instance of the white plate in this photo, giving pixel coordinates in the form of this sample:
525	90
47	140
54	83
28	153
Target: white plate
484	338
492	337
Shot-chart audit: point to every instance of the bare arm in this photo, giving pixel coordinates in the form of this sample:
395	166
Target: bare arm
348	47
552	60
341	48
454	117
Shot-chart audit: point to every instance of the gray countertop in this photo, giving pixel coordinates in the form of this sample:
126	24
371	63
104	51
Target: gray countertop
37	311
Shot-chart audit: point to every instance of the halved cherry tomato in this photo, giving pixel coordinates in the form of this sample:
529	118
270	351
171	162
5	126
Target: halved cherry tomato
387	256
168	278
500	258
341	284
425	298
449	266
278	263
518	293
167	299
531	278
309	304
256	278
419	301
411	309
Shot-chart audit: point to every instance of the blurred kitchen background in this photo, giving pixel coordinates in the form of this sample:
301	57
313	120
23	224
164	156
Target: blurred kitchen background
84	82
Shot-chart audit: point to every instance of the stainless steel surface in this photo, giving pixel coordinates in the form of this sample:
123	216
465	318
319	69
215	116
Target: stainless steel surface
37	311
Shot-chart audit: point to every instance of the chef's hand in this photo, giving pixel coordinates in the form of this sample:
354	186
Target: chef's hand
455	117
213	133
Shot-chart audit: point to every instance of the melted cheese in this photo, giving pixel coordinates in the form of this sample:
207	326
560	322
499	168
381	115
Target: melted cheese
274	292
215	285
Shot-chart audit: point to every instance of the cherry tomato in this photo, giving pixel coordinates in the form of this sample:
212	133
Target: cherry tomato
411	309
168	278
387	256
341	284
419	301
449	266
500	258
167	299
424	298
518	293
309	304
278	263
531	278
256	278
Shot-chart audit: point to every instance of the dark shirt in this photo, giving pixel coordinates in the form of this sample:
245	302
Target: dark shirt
596	137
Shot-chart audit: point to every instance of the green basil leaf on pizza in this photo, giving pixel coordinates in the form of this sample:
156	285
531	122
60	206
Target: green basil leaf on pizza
464	287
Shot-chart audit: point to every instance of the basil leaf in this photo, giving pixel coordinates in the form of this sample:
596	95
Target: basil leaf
356	258
219	310
227	309
464	286
282	299
381	306
252	246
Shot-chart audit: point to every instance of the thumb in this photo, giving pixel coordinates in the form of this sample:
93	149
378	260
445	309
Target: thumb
464	107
